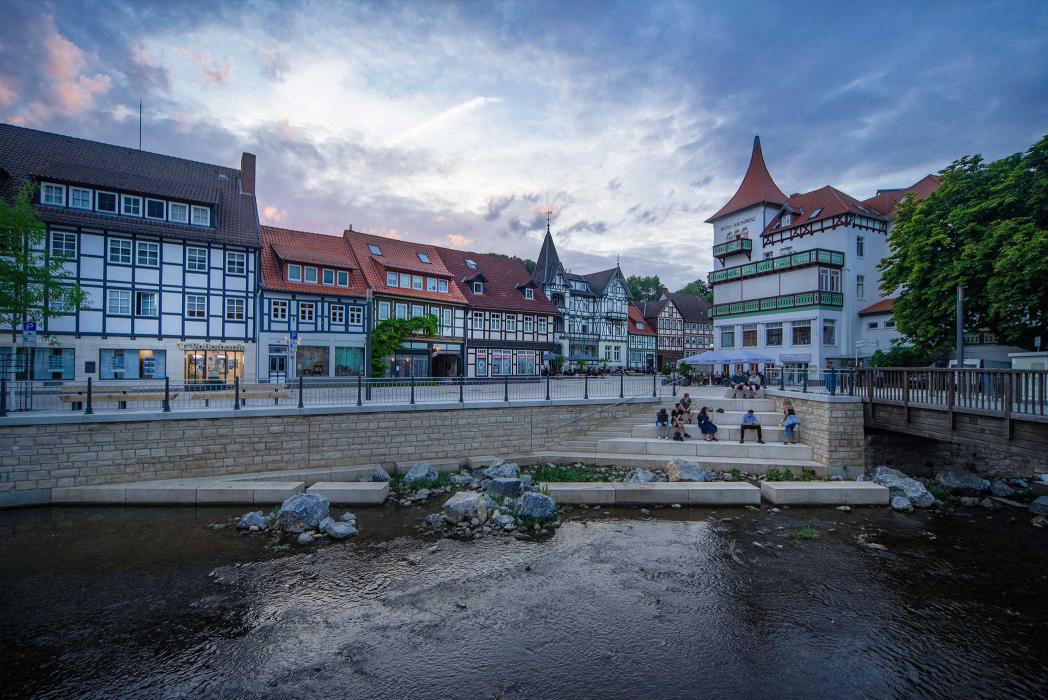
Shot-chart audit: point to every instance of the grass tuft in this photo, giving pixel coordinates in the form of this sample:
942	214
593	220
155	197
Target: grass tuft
807	533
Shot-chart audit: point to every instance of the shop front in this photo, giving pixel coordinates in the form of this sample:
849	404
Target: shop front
313	356
213	363
424	359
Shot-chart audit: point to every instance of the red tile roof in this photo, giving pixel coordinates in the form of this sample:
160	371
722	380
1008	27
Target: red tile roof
757	186
401	256
822	203
884	306
504	281
886	201
280	245
636	316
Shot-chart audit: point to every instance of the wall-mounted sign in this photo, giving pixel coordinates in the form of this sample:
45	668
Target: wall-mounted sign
211	346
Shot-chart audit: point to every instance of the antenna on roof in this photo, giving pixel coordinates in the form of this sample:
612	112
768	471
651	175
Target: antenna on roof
140	125
548	214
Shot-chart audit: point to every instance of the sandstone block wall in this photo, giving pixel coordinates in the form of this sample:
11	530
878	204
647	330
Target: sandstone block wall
832	426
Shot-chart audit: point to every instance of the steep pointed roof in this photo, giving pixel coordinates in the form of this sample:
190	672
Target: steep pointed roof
548	264
757	186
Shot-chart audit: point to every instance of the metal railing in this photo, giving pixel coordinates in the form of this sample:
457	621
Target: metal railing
164	395
1005	392
667	386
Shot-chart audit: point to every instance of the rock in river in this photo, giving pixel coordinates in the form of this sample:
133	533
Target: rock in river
422	474
500	469
536	505
1001	489
963	482
502	486
301	512
901	485
683	470
377	474
901	503
466	505
253	519
1040	506
642	476
339	531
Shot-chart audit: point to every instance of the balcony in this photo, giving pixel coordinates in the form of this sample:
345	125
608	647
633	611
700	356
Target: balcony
806	258
786	302
739	245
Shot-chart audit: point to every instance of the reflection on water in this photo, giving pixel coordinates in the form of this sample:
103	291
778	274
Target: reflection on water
119	602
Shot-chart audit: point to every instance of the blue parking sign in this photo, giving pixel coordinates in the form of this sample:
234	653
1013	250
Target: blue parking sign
294	335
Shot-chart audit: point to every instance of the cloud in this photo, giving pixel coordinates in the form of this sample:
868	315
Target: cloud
497	205
272	61
7	91
457	240
445	118
64	59
273	215
216	73
598	227
615	184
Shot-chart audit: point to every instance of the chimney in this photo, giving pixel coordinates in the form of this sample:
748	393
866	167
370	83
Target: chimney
247	173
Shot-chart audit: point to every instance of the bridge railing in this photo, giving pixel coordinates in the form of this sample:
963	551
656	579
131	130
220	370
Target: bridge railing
1007	392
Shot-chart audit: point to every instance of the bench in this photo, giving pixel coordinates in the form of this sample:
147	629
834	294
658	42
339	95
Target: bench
78	397
247	391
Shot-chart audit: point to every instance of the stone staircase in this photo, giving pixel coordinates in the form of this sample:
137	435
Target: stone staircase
632	441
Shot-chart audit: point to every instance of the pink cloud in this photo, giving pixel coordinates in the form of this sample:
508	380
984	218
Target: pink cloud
273	215
215	74
457	240
65	60
7	92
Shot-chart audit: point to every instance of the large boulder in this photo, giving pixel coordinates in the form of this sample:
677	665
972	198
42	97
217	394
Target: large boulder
466	505
958	481
684	470
537	506
1001	489
898	484
501	469
303	511
461	479
250	520
422	474
502	487
376	474
1039	506
642	476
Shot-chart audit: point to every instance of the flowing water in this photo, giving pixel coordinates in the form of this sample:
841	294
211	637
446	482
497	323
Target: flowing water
107	603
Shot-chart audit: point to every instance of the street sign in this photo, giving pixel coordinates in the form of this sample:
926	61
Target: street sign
29	333
1037	342
294	335
865	343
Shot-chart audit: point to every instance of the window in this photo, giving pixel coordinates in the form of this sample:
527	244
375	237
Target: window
356	316
309	275
196	306
79	198
769	254
873	325
148	254
342	278
328	277
501	363
52	194
201	216
338	314
727	336
529	293
801	332
391	279
417	310
383	310
511	323
442	286
236	262
196	259
132	364
478	287
405	280
543	324
829	331
63	245
482	365
278	310
773	335
155	209
890	323
294	273
374	250
478	320
424	258
120	251
749	335
236	309
118	302
529	324
146	303
496	322
130	205
860	286
525	363
306	311
431	284
829	280
818	210
471	264
786	250
402	311
105	201
860	246
179	213
446	327
416	282
785	220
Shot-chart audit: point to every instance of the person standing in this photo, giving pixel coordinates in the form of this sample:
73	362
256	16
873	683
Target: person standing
831	378
790	421
751	421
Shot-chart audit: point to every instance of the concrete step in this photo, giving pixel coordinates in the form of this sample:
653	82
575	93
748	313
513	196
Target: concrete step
717	464
824	493
697	447
726	404
724	432
352	493
690	492
180	492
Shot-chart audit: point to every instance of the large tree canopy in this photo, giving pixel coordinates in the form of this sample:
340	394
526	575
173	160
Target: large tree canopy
699	288
644	288
986	229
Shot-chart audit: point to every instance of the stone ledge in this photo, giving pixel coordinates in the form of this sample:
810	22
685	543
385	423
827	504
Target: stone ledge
824	493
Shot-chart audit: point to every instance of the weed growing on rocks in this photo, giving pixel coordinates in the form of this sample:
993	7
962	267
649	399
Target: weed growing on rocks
807	533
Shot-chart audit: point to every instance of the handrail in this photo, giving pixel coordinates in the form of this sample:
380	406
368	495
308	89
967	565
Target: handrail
607	406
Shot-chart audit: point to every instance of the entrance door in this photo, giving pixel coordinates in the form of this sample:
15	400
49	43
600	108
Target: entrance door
446	366
278	368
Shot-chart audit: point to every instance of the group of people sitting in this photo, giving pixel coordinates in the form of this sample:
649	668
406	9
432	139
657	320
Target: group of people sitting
674	422
747	385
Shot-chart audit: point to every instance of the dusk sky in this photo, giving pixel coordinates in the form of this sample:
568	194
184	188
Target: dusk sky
462	124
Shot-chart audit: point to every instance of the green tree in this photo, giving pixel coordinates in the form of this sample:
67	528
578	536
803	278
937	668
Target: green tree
984	229
899	356
642	288
33	286
528	263
389	334
698	288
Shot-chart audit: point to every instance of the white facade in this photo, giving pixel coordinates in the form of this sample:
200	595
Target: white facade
330	335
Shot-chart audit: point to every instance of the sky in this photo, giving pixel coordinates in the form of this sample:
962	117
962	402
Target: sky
464	124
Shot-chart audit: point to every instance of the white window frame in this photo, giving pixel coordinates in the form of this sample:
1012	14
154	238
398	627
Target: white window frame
873	325
122	306
162	203
529	293
116	202
48	189
233	255
860	246
294	273
139	246
193	260
356	316
478	320
829	323
194	210
192	302
782	334
278	309
860	286
416	282
401	311
62	251
338	314
442	286
511	323
139	296
172	207
786	219
392	279
833	279
794	325
478	287
543	325
383	310
306	275
231	309
495	322
324	277
342	278
418	310
307	311
431	284
74	191
121	241
405	281
126	199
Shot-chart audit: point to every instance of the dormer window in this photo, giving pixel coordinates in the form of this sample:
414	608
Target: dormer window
529	293
80	198
155	209
391	279
785	221
374	250
478	287
52	194
310	276
329	277
471	264
641	325
442	286
178	213
130	205
201	216
343	278
424	258
105	201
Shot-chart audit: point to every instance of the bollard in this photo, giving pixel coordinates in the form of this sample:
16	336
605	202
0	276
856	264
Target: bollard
654	384
360	388
89	409
167	395
236	393
413	389
586	386
3	397
804	382
300	404
622	385
462	393
547	387
782	378
505	395
674	387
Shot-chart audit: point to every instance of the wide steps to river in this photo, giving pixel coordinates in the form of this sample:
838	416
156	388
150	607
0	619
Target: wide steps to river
703	448
733	493
717	464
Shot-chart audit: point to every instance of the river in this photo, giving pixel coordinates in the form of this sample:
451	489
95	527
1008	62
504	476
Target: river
121	602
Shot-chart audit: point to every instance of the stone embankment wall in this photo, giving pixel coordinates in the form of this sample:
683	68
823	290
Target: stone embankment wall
36	456
832	425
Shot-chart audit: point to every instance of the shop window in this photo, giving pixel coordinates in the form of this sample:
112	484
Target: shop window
482	365
214	366
311	361
53	363
501	364
773	335
749	335
801	332
349	362
525	363
132	364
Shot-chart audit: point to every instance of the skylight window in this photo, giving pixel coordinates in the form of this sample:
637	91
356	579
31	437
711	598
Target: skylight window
424	258
816	213
374	249
471	264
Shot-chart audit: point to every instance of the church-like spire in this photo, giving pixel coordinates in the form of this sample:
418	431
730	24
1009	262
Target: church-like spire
757	186
547	266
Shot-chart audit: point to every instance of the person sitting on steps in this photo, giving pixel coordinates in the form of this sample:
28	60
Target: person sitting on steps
738	385
677	421
750	421
706	425
662	424
754	382
685	405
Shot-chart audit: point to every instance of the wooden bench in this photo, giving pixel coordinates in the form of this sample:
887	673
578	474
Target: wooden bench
78	397
247	391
